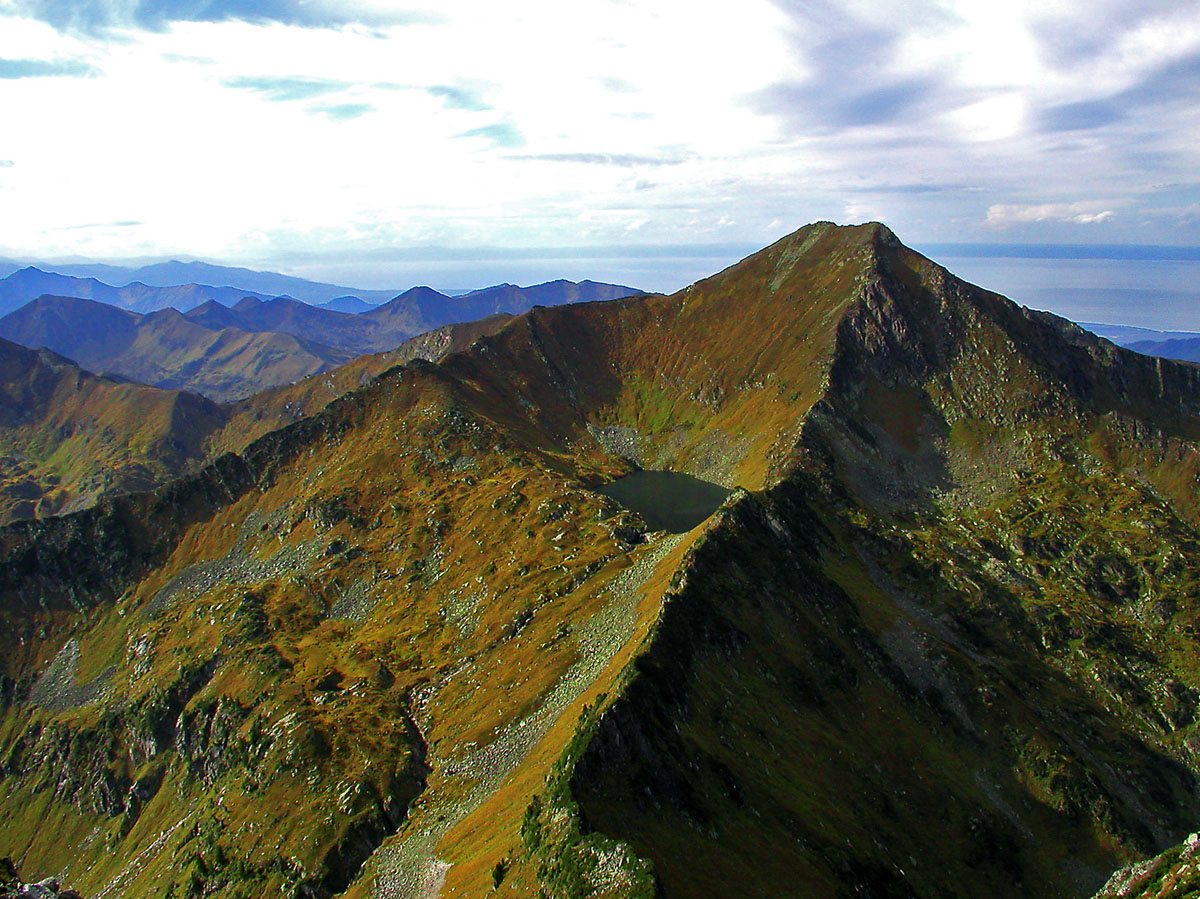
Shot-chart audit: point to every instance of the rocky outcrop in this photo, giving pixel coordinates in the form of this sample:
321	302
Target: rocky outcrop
11	886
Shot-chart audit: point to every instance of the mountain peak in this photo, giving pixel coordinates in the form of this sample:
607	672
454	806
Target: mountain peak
955	538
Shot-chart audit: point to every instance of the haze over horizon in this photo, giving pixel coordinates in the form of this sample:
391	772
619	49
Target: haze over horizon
354	142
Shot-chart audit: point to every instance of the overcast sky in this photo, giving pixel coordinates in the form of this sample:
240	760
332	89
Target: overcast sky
326	136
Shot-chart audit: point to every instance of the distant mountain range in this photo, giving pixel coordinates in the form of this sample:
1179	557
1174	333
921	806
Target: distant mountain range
243	281
28	284
167	348
185	285
229	352
1181	345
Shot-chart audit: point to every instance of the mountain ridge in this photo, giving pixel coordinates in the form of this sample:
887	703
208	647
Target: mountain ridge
953	526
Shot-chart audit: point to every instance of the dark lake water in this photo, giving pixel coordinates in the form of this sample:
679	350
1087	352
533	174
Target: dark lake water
666	500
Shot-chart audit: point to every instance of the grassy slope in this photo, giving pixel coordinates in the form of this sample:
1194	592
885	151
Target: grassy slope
416	595
380	472
277	407
69	437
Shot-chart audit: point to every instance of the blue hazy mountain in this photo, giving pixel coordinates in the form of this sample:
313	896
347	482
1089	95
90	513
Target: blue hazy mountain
29	283
176	273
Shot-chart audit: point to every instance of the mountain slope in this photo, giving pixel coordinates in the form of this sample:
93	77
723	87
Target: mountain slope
166	348
935	615
277	407
934	644
68	438
286	316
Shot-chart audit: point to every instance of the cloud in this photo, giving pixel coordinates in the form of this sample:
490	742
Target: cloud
42	68
1165	83
618	159
1184	215
6	163
501	135
342	112
1003	215
286	88
618	85
855	73
457	98
156	15
123	224
844	99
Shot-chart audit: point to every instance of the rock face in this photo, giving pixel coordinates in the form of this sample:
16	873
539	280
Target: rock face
11	886
938	640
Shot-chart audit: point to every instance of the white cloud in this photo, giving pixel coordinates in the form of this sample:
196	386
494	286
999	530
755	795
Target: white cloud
1003	215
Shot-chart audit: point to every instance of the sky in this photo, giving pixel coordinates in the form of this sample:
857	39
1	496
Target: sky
350	141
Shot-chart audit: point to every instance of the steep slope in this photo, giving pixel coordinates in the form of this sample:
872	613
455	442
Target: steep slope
278	407
935	643
1174	874
166	348
948	610
68	438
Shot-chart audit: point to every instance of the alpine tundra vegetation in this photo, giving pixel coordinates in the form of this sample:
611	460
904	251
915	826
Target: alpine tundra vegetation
937	637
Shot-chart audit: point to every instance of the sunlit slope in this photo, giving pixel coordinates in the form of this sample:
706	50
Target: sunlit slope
713	380
277	407
70	438
937	643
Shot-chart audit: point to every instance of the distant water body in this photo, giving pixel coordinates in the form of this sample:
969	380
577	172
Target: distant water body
1150	293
